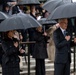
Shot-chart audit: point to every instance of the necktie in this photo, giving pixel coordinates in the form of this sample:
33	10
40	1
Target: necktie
65	33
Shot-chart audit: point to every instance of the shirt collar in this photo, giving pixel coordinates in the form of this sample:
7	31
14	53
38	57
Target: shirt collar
62	30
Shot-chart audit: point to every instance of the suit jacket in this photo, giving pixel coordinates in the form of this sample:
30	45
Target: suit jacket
63	50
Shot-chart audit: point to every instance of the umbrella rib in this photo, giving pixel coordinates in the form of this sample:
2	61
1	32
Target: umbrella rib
34	19
30	23
3	14
22	23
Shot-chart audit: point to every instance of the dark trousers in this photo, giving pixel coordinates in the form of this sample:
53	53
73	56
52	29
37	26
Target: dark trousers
62	68
40	67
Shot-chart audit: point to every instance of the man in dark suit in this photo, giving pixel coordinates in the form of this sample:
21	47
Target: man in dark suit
62	40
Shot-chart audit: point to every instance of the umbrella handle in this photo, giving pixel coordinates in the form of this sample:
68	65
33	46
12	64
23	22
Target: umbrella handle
44	28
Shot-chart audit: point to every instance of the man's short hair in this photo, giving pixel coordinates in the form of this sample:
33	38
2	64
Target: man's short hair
62	19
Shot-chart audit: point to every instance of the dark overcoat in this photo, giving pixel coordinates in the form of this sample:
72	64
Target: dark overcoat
10	59
40	47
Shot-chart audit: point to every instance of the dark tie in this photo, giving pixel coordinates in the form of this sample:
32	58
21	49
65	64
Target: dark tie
65	33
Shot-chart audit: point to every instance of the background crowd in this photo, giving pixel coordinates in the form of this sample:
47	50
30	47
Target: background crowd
46	41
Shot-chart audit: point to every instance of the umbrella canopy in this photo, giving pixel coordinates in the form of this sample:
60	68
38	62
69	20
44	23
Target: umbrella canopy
9	0
19	21
44	21
51	5
64	11
28	2
3	16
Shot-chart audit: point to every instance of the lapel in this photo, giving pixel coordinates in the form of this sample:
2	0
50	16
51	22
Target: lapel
60	33
61	36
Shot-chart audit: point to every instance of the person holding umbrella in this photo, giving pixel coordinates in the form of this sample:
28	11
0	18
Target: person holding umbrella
10	59
51	45
40	50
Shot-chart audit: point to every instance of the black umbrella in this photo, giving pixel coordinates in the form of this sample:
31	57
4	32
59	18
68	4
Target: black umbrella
3	16
51	5
28	2
44	21
19	21
64	11
9	1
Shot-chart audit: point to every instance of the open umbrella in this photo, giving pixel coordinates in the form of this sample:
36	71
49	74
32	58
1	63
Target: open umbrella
51	5
64	11
19	21
9	0
44	21
28	2
3	16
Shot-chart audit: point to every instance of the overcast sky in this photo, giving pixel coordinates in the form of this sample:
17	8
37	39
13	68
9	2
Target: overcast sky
74	0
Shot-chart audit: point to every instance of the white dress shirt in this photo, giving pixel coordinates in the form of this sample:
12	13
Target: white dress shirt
62	30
